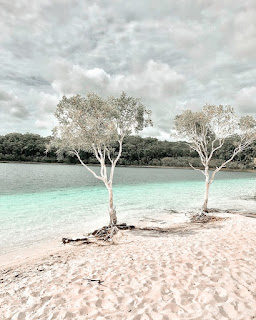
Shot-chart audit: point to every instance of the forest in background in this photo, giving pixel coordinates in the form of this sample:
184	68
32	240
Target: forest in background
30	147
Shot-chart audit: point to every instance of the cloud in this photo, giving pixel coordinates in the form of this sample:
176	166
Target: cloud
18	110
186	35
154	80
45	124
45	104
246	100
157	133
5	96
12	105
73	79
155	83
242	33
173	55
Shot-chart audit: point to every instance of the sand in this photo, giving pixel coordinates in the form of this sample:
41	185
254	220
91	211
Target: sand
194	272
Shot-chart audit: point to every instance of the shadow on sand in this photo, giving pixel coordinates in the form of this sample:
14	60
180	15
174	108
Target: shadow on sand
182	230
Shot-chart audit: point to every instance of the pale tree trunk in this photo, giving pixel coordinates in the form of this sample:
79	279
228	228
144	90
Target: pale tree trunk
112	211
206	195
209	180
207	186
100	156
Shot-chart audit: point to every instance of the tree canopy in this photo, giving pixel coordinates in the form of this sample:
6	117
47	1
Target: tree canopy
88	123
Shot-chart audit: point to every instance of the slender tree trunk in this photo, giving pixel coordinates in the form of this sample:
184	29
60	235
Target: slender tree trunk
205	206
207	186
112	211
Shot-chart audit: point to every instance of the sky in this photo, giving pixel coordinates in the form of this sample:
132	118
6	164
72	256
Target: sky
172	54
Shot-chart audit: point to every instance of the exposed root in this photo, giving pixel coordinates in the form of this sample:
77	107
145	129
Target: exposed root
203	218
106	233
159	229
68	240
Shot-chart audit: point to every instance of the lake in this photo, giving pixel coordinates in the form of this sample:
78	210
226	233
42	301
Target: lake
42	202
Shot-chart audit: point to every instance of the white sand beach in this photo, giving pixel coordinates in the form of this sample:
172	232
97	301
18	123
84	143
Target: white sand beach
192	272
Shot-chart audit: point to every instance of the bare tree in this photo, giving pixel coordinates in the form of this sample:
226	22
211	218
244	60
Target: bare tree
206	132
94	124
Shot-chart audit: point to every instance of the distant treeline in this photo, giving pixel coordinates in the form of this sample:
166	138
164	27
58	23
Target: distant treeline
136	151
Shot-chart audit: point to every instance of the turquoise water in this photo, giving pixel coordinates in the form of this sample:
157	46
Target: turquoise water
40	202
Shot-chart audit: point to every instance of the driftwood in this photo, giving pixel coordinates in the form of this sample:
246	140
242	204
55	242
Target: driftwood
105	233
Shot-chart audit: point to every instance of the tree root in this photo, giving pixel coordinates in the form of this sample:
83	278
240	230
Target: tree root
105	233
68	240
159	229
204	218
199	218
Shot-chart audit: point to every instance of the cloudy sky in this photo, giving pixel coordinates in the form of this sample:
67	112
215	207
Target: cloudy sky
172	54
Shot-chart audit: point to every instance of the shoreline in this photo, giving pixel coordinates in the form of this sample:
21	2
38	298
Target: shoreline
23	255
189	272
127	166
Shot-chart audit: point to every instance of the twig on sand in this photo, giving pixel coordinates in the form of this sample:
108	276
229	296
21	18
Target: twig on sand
95	280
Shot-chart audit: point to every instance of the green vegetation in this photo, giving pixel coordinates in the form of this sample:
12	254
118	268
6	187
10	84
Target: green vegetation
24	147
136	151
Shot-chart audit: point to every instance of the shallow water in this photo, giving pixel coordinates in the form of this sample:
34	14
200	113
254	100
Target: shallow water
40	202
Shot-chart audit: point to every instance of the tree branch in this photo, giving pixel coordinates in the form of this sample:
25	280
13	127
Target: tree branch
120	150
197	148
108	154
96	153
235	152
116	159
81	161
202	171
103	171
221	142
